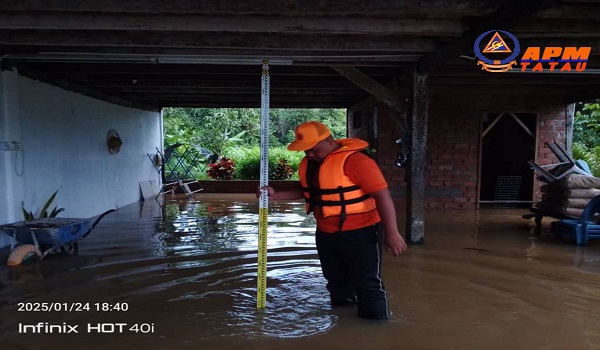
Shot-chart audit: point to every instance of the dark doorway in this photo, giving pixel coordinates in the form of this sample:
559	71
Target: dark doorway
507	144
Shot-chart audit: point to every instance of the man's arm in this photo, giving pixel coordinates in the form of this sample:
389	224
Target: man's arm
393	241
364	171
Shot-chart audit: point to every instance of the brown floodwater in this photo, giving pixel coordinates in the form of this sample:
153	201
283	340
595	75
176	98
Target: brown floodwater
181	274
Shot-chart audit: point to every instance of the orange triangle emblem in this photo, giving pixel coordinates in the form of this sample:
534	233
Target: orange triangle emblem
496	45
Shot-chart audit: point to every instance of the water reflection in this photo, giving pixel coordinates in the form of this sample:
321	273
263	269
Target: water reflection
482	280
226	231
198	227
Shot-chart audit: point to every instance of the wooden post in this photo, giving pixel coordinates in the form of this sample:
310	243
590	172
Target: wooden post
569	120
415	191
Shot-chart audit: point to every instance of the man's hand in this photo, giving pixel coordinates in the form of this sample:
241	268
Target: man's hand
394	243
290	194
270	191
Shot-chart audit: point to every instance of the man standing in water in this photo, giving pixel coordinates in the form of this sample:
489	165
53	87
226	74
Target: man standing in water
348	195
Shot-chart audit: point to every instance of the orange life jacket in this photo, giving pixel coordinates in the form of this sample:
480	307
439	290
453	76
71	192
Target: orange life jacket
336	194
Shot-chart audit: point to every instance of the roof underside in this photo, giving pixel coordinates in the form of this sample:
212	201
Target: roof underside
155	53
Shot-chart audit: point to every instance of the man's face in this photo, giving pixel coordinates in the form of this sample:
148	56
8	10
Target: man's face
318	152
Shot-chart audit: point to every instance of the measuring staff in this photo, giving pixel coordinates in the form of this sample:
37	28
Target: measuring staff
263	207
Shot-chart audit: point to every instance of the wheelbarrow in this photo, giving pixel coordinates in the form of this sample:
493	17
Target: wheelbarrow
42	236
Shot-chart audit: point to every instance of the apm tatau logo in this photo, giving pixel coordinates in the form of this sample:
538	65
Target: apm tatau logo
502	49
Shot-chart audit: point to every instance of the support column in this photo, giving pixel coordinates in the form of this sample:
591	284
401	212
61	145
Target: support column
11	155
415	191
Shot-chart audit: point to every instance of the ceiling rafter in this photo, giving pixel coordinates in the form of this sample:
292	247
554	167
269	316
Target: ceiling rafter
375	8
231	24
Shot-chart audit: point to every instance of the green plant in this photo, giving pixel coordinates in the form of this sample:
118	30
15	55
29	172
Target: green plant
586	126
221	170
219	129
590	156
282	171
28	215
247	162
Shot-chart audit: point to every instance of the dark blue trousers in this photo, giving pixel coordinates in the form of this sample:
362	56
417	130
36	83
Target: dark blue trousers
351	264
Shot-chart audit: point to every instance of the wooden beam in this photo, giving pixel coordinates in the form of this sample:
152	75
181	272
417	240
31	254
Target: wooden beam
417	164
370	85
54	40
578	11
529	79
169	83
235	90
252	104
249	101
207	71
557	28
584	94
231	23
225	84
291	53
379	8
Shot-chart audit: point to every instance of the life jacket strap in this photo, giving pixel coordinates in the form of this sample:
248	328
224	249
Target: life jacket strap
337	190
328	203
343	211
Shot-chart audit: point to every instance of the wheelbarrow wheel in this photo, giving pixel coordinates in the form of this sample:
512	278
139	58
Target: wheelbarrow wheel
70	248
22	253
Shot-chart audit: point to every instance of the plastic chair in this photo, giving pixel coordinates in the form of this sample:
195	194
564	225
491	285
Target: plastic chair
558	151
554	172
584	228
581	167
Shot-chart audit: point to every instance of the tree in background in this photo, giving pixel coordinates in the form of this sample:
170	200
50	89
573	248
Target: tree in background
211	128
586	127
284	121
586	135
231	131
219	128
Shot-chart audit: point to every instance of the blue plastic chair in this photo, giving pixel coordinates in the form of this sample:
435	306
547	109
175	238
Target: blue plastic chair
584	228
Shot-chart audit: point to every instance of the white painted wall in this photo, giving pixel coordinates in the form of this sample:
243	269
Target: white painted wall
62	136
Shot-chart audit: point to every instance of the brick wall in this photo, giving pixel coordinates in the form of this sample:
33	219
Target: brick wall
453	154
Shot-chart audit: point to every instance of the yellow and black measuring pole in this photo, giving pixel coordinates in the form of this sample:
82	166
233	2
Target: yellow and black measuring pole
263	207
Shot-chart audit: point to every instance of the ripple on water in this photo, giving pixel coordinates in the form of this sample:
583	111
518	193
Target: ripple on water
295	306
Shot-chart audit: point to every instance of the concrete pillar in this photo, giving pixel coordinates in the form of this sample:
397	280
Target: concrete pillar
11	153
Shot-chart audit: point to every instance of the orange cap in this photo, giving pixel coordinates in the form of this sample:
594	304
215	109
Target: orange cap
308	134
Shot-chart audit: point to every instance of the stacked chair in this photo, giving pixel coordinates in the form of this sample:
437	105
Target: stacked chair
567	165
